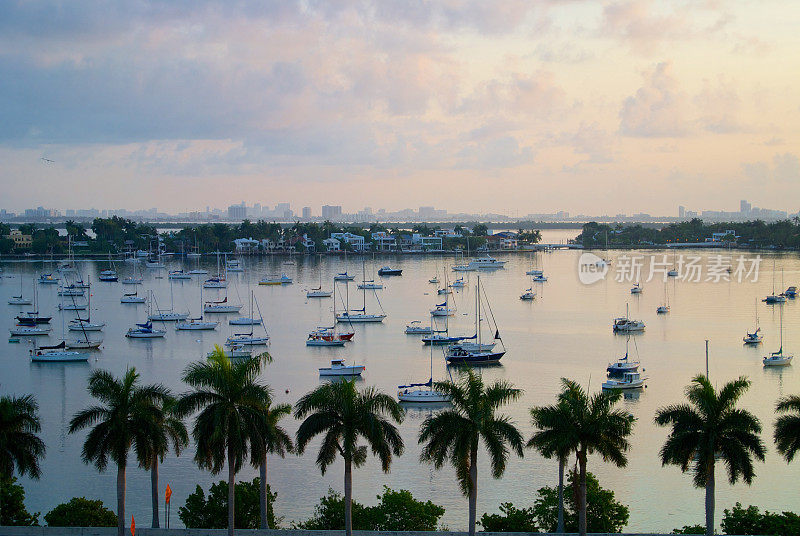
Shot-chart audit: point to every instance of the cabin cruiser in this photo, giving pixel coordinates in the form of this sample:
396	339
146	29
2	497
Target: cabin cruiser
283	279
629	380
486	263
339	368
416	328
389	271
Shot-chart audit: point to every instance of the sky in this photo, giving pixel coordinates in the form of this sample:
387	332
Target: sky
515	107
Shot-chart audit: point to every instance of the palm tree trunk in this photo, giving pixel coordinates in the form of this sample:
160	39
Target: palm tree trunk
263	493
154	491
561	463
121	500
582	493
710	501
231	491
348	497
473	489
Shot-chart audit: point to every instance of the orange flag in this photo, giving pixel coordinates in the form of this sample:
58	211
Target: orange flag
167	494
133	526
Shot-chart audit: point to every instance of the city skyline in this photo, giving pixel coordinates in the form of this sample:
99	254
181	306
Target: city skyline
591	106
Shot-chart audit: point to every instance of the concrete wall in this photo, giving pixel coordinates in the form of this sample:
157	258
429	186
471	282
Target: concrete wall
112	531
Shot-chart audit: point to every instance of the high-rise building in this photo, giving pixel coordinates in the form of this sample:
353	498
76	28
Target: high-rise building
426	213
681	211
306	213
237	212
331	212
744	206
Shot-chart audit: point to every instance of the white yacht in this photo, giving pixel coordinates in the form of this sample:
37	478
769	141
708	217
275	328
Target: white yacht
416	328
486	263
629	380
339	368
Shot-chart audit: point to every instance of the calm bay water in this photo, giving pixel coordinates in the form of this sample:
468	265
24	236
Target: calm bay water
565	331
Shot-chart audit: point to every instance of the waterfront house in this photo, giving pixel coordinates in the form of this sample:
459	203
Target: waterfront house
383	241
356	242
332	244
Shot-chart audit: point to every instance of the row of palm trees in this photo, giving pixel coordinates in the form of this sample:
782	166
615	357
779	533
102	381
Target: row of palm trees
236	423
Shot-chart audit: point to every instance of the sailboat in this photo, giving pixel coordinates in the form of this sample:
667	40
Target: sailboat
443	309
249	339
32	318
476	353
146	330
528	295
344	276
249	320
624	364
109	275
441	336
329	336
778	359
626	325
754	337
360	315
369	284
219	281
168	315
774	298
416	392
178	274
636	288
79	324
67	266
664	308
56	354
221	306
19	300
318	292
48	279
133	279
197	324
534	271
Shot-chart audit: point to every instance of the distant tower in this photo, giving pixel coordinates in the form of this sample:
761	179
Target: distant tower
681	211
306	213
744	206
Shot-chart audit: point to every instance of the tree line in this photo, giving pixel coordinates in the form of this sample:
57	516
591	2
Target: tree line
784	234
235	422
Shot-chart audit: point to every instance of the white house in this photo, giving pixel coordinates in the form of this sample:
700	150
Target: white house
357	242
244	245
384	241
332	244
309	244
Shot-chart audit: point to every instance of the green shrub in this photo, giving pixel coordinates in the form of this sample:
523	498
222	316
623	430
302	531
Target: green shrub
510	519
201	512
81	512
12	505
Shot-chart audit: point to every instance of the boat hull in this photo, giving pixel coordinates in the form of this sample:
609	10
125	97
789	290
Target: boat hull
360	319
422	396
487	358
354	370
58	357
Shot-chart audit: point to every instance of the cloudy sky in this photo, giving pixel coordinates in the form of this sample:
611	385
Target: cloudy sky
517	106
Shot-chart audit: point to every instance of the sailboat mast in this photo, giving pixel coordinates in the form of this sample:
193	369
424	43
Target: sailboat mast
478	312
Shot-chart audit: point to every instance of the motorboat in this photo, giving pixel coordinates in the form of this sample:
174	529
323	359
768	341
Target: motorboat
145	331
57	353
339	368
283	279
629	380
636	288
133	297
774	298
534	272
486	263
434	280
178	274
416	328
384	271
528	295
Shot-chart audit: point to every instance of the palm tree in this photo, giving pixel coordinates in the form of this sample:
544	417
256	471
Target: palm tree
169	429
127	419
343	414
230	401
555	436
709	428
787	427
272	439
594	427
454	434
20	446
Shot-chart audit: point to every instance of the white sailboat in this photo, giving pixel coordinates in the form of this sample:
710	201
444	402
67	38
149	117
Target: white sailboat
132	297
360	315
626	325
197	324
168	315
56	354
146	330
664	308
754	337
19	300
219	281
774	298
133	279
778	359
318	292
421	392
250	339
